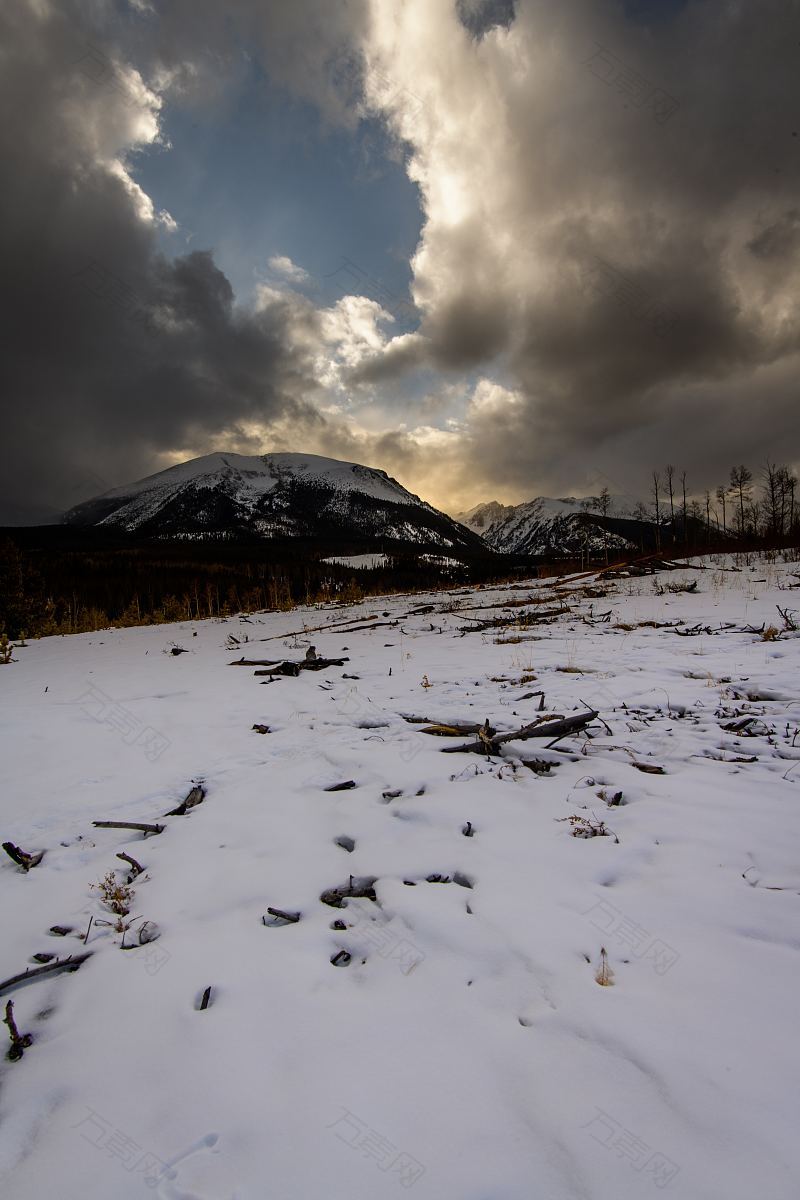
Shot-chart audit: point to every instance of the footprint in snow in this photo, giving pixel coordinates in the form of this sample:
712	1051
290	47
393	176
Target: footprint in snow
168	1189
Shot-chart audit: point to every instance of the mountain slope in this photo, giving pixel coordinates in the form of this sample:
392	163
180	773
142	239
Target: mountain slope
555	527
275	496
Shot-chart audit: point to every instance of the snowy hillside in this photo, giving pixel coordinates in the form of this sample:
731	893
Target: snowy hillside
272	495
544	526
567	970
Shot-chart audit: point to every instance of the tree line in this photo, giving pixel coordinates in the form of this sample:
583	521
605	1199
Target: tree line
762	509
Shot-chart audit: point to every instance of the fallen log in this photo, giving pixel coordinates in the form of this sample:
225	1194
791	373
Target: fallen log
136	868
553	728
142	826
456	729
307	664
21	857
522	621
19	1041
61	964
254	662
279	917
196	796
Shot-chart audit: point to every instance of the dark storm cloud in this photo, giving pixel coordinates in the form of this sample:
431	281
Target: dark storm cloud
113	353
610	228
619	225
479	16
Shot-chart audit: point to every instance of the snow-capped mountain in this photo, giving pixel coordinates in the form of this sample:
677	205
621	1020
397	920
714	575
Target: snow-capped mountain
484	517
275	496
547	526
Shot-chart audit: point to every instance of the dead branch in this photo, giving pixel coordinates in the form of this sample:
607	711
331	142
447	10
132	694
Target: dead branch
19	1042
544	727
255	662
456	729
136	868
788	615
307	664
196	796
142	826
281	917
61	964
21	857
523	620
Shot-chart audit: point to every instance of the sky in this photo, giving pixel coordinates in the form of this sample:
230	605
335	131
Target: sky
497	248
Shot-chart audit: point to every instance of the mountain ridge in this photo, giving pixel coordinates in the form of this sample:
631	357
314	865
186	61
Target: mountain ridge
269	496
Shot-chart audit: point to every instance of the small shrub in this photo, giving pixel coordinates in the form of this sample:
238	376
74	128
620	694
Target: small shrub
116	896
585	827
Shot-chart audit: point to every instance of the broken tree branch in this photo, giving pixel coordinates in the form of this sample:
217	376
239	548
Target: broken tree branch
61	964
196	796
19	1042
556	727
21	857
143	826
136	868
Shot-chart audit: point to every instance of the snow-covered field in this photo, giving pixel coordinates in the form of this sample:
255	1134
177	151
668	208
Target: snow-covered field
466	1050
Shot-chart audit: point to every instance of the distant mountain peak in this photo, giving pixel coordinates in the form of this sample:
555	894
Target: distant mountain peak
570	525
284	495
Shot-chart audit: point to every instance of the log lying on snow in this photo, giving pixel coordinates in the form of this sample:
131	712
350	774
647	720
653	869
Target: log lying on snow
255	662
523	620
307	664
136	867
196	796
61	964
21	857
143	826
553	728
451	729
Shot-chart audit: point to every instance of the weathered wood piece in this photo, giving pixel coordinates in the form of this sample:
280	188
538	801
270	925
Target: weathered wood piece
279	917
142	826
196	796
61	964
19	1042
543	727
255	662
21	857
136	868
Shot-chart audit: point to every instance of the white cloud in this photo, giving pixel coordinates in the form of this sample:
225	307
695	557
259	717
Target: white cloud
281	264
